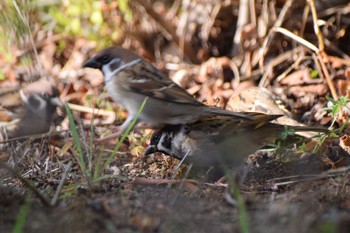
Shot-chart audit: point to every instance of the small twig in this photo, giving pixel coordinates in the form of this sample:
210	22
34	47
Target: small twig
316	28
242	20
302	178
173	10
278	60
320	53
339	60
95	111
297	38
178	165
60	185
237	77
321	57
304	21
146	181
32	137
294	65
269	38
210	23
336	49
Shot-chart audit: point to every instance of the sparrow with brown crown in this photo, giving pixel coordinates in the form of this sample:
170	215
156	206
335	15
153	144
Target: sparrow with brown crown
38	103
221	142
129	79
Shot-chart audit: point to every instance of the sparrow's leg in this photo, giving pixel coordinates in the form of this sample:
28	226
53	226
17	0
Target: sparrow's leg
121	129
107	138
126	123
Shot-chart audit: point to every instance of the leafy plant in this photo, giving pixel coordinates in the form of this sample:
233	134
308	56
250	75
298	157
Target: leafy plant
93	19
336	107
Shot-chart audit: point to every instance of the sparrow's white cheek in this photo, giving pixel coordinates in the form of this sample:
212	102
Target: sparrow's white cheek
108	74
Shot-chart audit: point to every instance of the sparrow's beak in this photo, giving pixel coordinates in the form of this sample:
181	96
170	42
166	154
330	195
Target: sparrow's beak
92	63
56	102
151	149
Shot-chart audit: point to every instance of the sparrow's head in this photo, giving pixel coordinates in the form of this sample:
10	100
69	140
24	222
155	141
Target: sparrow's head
190	144
41	99
112	59
168	141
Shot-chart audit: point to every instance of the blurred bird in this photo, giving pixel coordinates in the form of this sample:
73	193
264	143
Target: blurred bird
219	141
28	111
129	79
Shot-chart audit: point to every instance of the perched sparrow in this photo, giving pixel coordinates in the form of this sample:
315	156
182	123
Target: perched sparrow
218	141
129	79
34	108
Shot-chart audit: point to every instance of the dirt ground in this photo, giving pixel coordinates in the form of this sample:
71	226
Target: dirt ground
298	196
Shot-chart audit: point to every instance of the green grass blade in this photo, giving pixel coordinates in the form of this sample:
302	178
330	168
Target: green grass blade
97	167
92	126
234	191
77	143
22	216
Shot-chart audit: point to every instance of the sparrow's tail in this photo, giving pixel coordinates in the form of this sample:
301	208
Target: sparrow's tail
308	128
308	131
253	116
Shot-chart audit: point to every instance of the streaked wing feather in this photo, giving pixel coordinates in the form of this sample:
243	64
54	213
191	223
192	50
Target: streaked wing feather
162	88
224	125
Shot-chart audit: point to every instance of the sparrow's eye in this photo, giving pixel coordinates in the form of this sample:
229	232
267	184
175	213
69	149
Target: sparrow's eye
104	59
155	139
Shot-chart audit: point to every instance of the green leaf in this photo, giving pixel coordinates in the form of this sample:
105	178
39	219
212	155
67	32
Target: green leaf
75	26
74	10
124	7
96	18
314	74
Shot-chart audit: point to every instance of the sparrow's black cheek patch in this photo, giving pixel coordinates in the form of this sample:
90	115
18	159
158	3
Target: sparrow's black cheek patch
33	102
115	65
166	143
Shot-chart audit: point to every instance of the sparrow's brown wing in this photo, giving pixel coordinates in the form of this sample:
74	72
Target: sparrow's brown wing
143	78
219	127
219	123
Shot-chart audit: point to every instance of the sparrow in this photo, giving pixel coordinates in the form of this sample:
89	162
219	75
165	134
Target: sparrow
219	141
30	110
129	79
